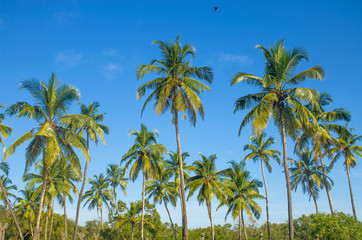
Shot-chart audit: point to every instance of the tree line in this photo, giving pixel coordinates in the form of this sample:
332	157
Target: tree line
52	166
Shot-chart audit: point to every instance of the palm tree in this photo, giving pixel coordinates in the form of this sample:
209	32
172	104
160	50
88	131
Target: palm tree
49	138
4	182
7	187
5	132
88	122
172	167
145	154
244	193
115	176
55	186
280	99
260	151
210	183
68	174
305	173
26	206
131	216
98	194
176	89
319	136
346	146
162	190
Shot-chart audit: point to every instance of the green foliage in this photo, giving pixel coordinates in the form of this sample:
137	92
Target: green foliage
338	226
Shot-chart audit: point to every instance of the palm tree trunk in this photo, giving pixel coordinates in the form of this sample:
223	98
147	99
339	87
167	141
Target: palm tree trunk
286	172
169	215
115	200
31	227
244	228
266	200
314	199
240	225
143	203
132	231
11	209
208	205
182	182
350	192
326	185
101	217
51	221
81	192
117	210
65	216
46	223
37	233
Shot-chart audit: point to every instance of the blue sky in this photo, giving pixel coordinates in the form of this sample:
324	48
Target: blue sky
97	45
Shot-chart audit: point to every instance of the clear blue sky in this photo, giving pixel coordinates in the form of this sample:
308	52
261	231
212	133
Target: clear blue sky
97	45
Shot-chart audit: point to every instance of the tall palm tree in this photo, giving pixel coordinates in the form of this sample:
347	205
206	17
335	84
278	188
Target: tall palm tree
115	176
145	154
279	99
305	173
4	182
210	183
319	136
49	139
88	123
162	190
260	151
172	167
176	90
346	147
8	186
244	193
98	194
26	206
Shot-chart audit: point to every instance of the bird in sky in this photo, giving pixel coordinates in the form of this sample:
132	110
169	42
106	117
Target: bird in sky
216	8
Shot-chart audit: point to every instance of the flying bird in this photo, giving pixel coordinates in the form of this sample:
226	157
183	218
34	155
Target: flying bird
216	8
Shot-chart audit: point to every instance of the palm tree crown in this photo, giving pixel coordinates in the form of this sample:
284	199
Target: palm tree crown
304	172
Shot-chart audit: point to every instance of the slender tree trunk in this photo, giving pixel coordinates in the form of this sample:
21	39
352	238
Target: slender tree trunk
143	203
31	227
117	210
350	192
115	200
101	217
45	180
46	223
266	200
51	221
11	210
240	225
244	228
286	172
81	192
65	216
313	196
208	205
182	182
169	215
132	231
326	185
